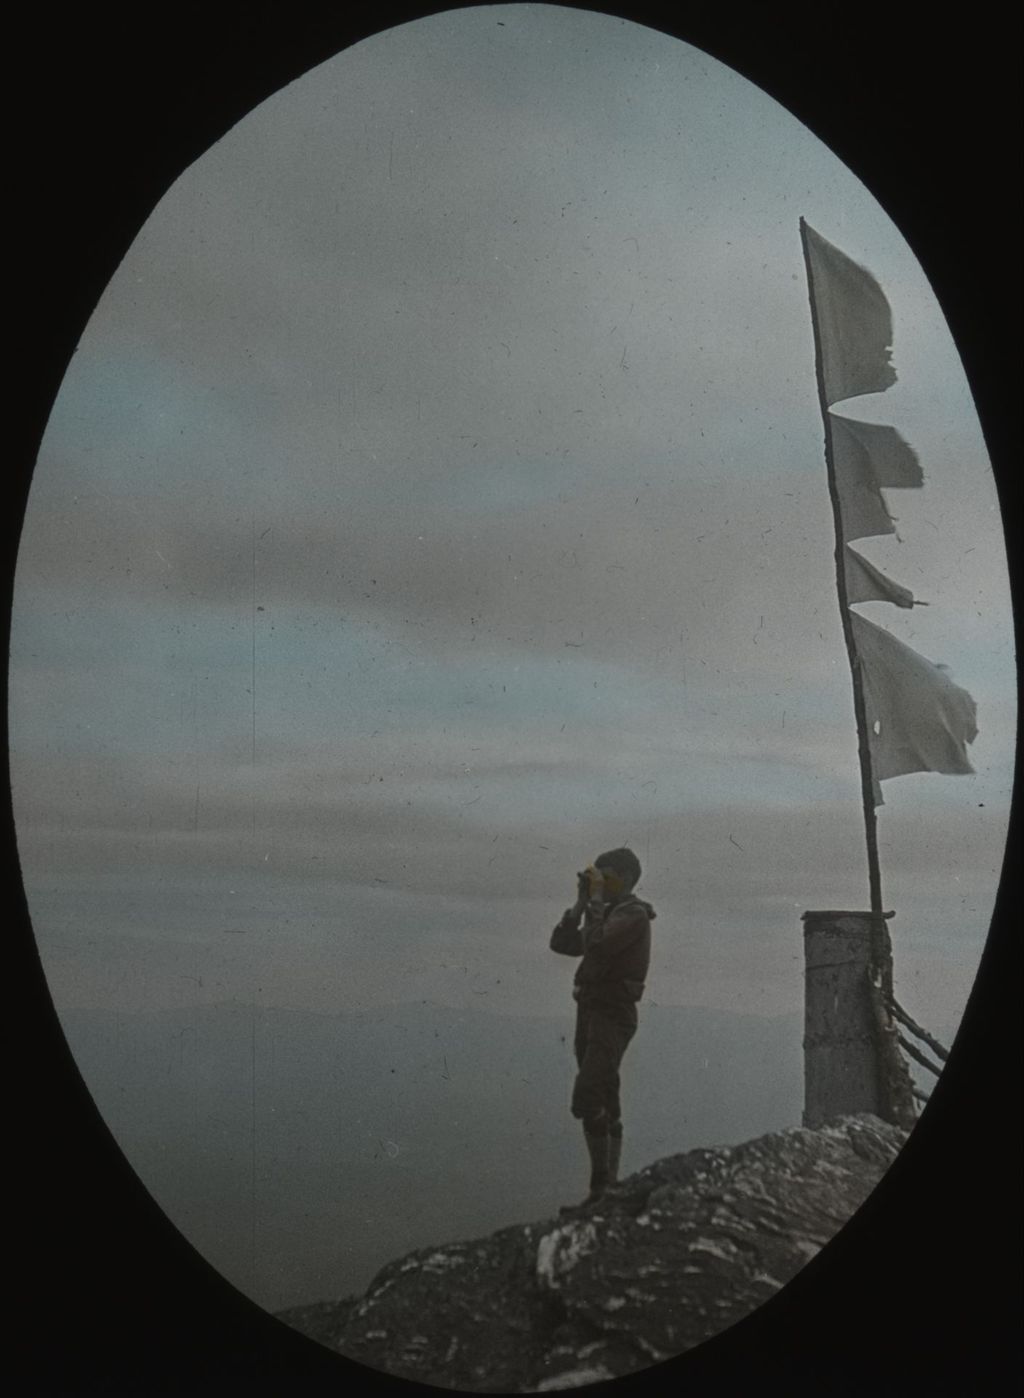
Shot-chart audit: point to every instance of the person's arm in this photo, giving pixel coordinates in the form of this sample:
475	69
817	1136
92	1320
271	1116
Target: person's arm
615	930
567	938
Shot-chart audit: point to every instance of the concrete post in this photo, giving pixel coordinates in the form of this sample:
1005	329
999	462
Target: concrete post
842	1069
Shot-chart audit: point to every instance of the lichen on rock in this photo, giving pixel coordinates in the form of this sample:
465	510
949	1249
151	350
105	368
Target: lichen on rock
668	1258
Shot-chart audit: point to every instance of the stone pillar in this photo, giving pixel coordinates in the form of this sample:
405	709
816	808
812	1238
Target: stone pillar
842	1068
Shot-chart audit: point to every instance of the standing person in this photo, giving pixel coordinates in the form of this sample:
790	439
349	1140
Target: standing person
610	928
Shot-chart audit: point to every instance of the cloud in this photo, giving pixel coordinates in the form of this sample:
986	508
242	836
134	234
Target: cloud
494	343
729	888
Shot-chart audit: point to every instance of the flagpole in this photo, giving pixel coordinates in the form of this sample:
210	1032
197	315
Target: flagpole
881	953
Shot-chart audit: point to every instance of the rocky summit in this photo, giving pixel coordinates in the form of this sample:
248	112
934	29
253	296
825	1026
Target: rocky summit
668	1258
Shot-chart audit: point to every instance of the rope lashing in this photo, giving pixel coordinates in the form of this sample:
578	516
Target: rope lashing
918	1056
900	1013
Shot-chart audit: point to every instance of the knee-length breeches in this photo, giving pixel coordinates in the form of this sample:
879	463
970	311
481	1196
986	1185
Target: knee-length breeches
603	1031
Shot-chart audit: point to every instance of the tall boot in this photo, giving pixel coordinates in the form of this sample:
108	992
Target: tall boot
614	1156
597	1150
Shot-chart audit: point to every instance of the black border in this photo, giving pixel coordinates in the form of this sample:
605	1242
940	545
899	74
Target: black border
922	1293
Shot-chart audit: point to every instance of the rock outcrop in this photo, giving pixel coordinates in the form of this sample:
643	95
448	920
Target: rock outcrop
671	1256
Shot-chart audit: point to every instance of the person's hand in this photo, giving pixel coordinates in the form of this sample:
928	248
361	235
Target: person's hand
582	894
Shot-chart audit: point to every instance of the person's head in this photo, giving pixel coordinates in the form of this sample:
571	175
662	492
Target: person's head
621	870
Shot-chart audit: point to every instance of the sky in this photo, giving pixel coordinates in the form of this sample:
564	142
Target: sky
437	498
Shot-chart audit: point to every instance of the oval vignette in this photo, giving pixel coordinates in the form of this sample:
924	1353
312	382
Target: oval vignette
166	570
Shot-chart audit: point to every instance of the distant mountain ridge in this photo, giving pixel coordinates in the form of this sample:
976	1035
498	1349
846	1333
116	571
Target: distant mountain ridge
299	1152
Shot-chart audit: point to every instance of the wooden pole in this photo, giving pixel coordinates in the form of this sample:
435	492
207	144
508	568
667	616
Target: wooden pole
881	946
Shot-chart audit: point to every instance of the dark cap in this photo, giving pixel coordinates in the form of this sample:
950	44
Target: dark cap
624	862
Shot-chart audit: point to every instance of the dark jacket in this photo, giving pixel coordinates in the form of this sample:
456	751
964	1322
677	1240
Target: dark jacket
615	944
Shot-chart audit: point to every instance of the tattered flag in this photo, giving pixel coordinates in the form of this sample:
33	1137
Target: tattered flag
918	720
866	583
868	457
854	323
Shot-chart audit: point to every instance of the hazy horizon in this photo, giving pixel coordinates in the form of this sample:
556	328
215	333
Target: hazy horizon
379	1131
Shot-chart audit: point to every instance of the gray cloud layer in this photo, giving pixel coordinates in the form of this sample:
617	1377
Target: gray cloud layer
462	398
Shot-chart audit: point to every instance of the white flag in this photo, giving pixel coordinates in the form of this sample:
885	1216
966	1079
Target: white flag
866	583
868	457
918	720
854	322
